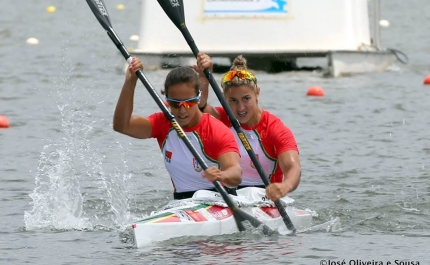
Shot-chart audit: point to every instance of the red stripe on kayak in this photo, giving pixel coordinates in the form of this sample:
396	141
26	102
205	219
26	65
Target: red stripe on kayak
271	211
197	216
219	212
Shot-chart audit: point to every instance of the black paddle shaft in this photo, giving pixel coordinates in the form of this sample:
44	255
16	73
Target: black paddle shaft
175	11
100	12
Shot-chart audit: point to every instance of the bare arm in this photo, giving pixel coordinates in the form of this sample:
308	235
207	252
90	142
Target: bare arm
230	173
289	162
204	61
123	120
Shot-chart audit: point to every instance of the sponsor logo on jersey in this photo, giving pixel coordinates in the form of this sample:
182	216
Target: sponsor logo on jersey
168	156
196	165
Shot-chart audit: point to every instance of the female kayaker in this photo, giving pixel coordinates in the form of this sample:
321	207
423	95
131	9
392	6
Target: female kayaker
273	143
213	140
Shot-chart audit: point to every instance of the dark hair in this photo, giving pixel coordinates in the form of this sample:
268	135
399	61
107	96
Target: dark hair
179	75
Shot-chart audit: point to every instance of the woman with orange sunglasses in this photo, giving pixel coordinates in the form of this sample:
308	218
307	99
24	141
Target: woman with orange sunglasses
273	143
211	138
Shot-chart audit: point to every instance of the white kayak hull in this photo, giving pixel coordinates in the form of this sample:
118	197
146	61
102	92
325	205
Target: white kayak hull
193	217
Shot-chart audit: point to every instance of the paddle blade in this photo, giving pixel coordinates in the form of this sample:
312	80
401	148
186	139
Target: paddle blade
175	11
99	9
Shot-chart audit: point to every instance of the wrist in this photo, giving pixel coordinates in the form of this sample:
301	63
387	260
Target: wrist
286	188
202	107
204	83
203	77
131	78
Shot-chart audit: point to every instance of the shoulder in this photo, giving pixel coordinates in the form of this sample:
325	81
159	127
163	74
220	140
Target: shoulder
160	124
274	127
158	119
214	130
272	122
278	134
270	117
269	122
216	126
220	109
223	117
216	137
157	116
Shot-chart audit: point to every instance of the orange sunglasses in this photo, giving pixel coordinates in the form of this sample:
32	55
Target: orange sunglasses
242	74
187	103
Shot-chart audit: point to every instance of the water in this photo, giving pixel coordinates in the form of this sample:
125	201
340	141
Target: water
70	186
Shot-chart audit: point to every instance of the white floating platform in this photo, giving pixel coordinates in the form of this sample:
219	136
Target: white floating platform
270	34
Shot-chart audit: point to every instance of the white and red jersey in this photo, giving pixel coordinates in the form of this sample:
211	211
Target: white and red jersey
269	138
210	137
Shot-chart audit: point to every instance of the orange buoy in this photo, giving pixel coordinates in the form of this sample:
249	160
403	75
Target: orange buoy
427	80
4	123
315	91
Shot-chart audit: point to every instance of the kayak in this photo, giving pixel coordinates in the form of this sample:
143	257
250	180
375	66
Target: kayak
206	214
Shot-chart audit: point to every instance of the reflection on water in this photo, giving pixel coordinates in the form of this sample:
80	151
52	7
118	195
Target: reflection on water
239	248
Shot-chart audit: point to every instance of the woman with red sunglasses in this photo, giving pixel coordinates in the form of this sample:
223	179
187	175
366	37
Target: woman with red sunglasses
211	138
273	143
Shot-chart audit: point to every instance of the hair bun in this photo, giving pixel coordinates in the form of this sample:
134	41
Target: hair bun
239	63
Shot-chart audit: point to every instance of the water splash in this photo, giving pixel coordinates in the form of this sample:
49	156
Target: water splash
57	200
332	226
75	187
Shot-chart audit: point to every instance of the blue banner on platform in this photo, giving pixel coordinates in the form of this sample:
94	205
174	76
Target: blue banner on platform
246	8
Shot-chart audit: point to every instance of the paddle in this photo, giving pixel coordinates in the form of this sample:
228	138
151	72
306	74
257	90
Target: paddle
100	12
175	11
